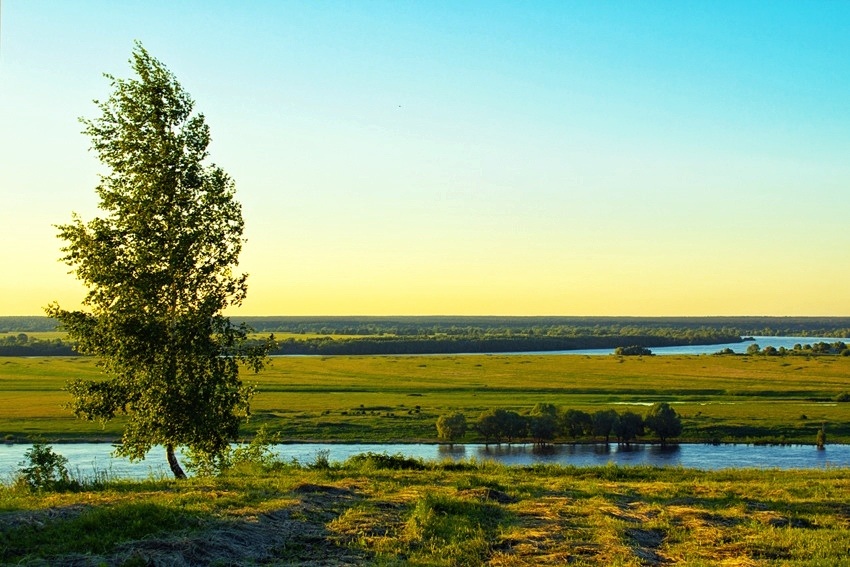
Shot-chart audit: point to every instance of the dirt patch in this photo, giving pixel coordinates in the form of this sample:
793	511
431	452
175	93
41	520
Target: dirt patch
645	544
335	491
294	535
39	518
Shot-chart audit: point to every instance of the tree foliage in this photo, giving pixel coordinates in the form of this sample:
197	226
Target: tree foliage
628	427
576	423
664	421
491	424
603	423
158	268
451	427
632	350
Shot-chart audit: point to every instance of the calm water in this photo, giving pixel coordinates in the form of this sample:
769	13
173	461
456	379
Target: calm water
740	348
86	458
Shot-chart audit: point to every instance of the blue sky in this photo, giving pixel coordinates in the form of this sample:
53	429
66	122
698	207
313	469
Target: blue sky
608	158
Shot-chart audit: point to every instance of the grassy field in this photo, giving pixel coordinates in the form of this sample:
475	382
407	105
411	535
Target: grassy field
386	398
366	512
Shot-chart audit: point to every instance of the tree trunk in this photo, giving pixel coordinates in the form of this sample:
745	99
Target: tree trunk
172	462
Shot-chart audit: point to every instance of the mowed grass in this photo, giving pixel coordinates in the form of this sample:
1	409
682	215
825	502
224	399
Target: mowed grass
398	398
364	512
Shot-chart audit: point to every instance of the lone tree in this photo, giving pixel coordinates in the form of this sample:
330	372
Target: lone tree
451	427
158	268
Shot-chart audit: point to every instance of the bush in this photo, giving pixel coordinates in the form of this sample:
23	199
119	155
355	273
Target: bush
255	453
322	460
44	469
384	461
258	451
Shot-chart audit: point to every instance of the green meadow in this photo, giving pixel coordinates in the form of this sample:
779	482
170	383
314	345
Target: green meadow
399	398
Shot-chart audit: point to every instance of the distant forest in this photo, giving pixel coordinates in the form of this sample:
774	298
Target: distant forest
838	327
458	334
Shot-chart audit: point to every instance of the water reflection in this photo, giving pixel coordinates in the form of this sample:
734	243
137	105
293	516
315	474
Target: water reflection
455	452
576	455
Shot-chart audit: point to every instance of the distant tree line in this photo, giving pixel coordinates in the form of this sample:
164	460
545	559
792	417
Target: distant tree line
546	423
21	344
838	327
819	348
481	344
27	324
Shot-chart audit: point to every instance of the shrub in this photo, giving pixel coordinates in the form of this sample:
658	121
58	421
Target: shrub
321	462
384	461
257	452
44	469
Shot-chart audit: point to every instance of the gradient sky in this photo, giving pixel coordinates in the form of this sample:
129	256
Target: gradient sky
524	158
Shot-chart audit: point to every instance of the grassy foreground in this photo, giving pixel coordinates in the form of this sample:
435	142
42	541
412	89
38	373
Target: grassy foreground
374	511
398	398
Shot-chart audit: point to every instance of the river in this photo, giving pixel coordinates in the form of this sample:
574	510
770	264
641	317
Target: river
740	348
87	459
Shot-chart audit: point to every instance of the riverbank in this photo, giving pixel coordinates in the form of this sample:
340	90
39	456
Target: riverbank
377	512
